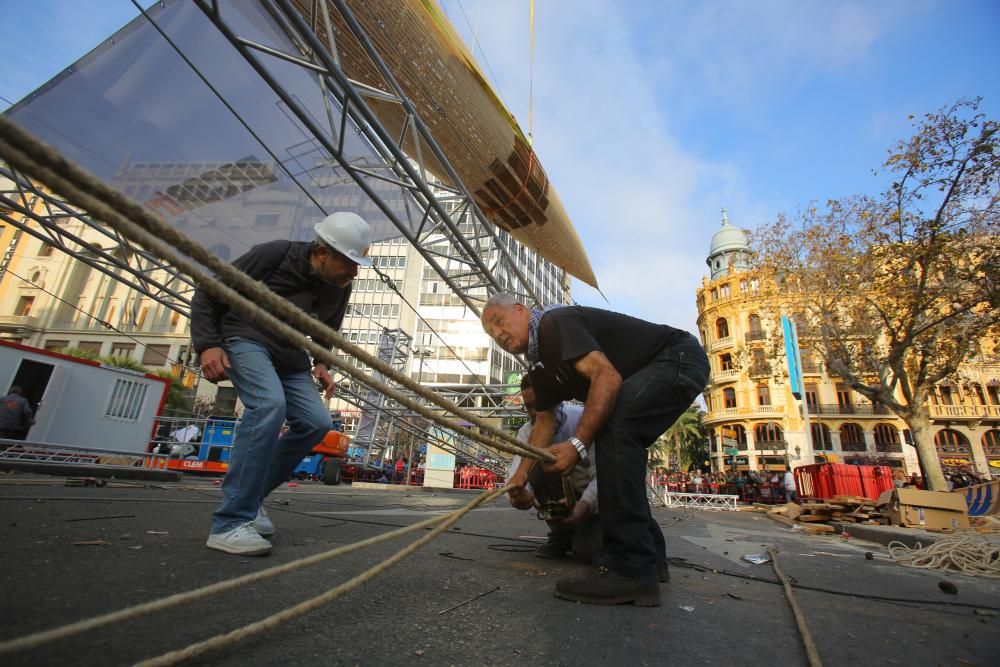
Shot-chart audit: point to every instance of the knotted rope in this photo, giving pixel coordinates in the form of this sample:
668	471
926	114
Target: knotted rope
139	225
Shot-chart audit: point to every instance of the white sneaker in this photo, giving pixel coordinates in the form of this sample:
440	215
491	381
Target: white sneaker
242	540
262	524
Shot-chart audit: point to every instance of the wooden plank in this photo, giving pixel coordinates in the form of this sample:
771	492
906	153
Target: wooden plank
808	518
792	510
780	518
818	529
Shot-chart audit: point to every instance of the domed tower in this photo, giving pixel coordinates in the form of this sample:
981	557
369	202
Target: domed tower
730	252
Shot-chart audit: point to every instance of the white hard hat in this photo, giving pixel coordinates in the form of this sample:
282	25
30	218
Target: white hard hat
348	234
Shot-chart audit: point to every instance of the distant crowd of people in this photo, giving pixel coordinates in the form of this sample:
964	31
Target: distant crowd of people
749	485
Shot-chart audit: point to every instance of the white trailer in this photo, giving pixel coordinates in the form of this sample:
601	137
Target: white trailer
84	403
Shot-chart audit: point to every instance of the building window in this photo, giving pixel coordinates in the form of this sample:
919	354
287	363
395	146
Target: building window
947	394
127	399
726	362
90	346
769	436
754	322
993	391
852	438
266	220
35	277
991	442
729	397
812	398
45	250
950	441
821	439
24	305
887	438
124	350
763	395
721	328
56	345
724	292
156	355
844	399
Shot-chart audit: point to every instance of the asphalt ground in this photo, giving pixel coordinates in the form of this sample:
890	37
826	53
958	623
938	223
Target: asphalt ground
474	596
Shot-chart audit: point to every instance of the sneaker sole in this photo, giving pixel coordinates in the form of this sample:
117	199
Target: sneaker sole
645	600
239	551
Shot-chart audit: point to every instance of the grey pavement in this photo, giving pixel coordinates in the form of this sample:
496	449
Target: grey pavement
428	609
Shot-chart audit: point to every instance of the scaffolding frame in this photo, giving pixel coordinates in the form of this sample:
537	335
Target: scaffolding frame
469	262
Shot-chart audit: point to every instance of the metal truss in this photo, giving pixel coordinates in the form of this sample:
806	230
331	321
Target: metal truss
704	501
442	222
60	225
468	263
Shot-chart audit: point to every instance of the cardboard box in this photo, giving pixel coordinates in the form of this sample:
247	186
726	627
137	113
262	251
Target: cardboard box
924	509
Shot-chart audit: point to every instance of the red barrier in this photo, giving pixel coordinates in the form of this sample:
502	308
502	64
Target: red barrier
823	481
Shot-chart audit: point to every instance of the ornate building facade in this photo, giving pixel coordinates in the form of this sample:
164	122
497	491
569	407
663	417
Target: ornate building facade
755	423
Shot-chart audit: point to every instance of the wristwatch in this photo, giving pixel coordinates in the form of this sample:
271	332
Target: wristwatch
581	449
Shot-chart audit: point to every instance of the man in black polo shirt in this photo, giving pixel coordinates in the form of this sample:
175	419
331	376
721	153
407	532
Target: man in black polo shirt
272	377
635	379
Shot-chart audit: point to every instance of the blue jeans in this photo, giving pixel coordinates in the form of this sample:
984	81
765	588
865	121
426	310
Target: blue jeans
259	461
649	401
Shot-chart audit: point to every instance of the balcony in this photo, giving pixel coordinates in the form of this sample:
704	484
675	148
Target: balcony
725	376
961	411
858	410
754	336
21	324
721	343
758	411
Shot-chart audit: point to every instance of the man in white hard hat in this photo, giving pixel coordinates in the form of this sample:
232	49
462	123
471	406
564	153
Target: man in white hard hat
272	377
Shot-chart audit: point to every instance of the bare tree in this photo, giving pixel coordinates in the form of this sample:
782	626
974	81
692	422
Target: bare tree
895	292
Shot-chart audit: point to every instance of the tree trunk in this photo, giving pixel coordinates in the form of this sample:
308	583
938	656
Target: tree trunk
920	428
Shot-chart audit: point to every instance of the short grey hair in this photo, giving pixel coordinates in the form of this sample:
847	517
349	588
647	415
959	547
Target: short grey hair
502	299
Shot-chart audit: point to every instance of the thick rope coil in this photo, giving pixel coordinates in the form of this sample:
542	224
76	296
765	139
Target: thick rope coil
969	554
151	232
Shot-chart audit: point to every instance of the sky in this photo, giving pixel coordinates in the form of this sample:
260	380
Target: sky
651	117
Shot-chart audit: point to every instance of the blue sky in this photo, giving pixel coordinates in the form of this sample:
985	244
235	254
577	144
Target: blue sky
650	117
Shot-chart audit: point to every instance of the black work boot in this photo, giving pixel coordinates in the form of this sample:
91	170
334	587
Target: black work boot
559	542
606	587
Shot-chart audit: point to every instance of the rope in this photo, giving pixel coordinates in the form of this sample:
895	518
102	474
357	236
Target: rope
807	641
129	613
531	70
968	554
153	233
240	634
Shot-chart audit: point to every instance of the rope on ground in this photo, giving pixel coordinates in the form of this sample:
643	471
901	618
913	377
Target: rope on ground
969	554
230	285
39	638
807	641
240	634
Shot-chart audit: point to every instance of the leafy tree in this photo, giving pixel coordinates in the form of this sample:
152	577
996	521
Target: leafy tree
895	292
685	439
127	363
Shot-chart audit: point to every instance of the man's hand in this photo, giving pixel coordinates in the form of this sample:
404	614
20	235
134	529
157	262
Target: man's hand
566	459
580	512
521	498
321	373
214	363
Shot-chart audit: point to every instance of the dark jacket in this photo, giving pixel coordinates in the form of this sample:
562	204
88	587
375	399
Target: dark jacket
284	267
14	412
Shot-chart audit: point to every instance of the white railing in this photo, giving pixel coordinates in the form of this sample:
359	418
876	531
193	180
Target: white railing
705	501
722	342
